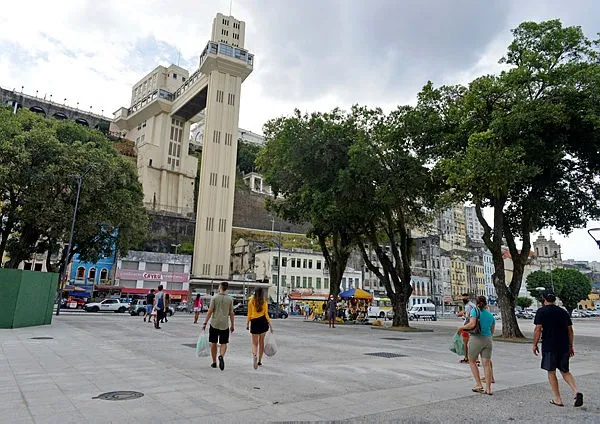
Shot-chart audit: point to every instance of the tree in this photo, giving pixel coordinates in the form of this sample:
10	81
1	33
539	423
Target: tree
569	285
39	191
302	161
389	192
524	302
524	143
246	156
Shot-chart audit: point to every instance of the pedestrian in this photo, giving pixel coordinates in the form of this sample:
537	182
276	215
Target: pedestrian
480	343
465	314
306	311
159	306
331	313
166	309
555	327
258	322
220	309
197	307
149	305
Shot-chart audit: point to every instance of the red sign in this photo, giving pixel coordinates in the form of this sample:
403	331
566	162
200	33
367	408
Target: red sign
135	274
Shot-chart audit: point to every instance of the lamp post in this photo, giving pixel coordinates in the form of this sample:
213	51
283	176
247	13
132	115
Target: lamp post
79	178
596	238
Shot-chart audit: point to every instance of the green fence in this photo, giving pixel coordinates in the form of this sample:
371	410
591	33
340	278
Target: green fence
26	298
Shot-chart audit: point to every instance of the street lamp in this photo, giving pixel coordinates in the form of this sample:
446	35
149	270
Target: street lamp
176	246
79	178
597	237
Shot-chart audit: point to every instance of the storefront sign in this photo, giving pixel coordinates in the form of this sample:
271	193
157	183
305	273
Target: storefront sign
134	274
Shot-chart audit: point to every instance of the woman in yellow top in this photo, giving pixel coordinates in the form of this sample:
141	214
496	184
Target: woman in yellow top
258	323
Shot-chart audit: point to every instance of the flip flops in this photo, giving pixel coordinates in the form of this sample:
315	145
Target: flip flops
556	404
579	399
478	390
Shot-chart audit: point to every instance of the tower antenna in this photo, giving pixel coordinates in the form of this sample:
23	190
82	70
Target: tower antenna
230	5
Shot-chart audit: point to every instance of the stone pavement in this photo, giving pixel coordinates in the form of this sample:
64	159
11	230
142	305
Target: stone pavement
318	374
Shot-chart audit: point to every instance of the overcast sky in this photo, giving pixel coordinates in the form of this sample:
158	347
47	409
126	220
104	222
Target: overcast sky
309	54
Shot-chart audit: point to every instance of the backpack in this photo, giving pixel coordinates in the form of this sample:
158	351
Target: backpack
160	304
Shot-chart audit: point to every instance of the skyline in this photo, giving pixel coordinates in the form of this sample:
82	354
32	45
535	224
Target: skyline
313	55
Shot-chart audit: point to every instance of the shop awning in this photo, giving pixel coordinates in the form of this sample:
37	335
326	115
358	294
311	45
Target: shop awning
355	293
307	296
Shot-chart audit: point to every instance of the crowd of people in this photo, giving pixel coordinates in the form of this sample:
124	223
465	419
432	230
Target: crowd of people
553	326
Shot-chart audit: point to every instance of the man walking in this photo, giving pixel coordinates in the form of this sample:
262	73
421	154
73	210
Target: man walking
555	327
159	305
331	306
466	314
221	308
149	305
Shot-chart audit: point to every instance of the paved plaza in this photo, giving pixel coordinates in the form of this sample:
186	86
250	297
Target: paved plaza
318	374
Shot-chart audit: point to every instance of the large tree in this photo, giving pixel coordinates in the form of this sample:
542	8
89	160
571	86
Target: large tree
302	161
38	185
389	191
570	285
523	143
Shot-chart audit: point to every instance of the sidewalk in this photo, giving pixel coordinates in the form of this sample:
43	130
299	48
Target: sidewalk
318	374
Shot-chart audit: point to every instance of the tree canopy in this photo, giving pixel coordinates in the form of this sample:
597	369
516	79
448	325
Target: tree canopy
570	285
246	156
40	160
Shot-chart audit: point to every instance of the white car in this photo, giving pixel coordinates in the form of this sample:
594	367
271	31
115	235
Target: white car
108	305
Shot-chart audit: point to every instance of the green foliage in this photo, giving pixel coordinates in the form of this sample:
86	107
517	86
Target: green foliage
569	285
246	156
524	302
39	161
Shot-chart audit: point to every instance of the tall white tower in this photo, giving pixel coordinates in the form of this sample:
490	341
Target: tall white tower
226	65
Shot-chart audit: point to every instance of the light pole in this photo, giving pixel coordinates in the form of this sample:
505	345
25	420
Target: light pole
79	178
595	238
176	246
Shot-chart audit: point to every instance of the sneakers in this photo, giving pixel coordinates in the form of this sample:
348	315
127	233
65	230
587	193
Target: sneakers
221	363
213	365
254	361
259	364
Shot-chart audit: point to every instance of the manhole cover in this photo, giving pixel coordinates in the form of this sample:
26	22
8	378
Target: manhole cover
42	338
393	338
386	354
122	395
189	345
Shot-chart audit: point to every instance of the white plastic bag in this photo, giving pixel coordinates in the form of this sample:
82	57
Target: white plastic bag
202	346
270	345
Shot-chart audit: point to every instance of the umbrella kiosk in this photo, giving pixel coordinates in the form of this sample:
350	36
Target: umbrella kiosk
358	304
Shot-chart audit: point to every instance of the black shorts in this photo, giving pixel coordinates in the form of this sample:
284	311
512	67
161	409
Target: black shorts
218	336
259	325
553	360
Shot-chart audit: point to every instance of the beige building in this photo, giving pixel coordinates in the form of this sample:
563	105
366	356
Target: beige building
159	121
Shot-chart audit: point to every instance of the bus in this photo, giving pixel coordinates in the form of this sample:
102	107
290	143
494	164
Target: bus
380	307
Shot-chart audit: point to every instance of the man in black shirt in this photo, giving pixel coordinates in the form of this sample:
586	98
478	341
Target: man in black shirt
149	304
554	326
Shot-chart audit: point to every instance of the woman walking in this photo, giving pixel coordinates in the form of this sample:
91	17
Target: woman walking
480	343
197	308
258	323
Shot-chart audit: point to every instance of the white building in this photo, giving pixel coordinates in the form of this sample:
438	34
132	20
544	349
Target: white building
257	183
473	227
488	270
301	269
146	270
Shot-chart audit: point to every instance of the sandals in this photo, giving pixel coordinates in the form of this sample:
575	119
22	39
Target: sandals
478	390
556	404
578	399
464	361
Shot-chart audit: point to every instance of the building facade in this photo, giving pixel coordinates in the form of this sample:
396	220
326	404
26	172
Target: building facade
91	273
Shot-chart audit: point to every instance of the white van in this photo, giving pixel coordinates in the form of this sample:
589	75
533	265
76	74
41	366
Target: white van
422	311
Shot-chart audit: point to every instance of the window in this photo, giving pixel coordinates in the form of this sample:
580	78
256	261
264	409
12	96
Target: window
283	282
176	139
546	250
304	262
228	139
222	225
293	281
303	282
174	76
326	281
310	282
219	270
153	266
283	262
318	282
310	264
104	275
293	263
318	264
80	275
275	261
206	269
275	279
210	223
231	99
220	96
150	162
225	181
92	274
213	179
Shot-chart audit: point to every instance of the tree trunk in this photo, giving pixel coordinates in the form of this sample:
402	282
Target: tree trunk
510	326
399	306
336	271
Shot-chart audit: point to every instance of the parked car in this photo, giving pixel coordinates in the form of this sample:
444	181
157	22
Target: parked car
240	309
74	303
575	314
138	307
524	314
107	305
422	311
276	312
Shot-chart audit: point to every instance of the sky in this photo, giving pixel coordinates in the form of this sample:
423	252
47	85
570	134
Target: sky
313	55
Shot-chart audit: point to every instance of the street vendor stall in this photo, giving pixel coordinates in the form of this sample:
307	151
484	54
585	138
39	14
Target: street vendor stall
357	304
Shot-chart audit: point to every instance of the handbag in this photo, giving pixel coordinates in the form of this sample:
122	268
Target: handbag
202	344
476	331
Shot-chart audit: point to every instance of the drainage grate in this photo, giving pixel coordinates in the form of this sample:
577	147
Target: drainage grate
393	338
122	395
41	338
386	354
189	345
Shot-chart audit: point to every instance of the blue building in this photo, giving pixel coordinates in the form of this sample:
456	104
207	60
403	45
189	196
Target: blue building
87	274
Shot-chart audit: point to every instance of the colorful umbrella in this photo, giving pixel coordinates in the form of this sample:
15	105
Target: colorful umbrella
355	293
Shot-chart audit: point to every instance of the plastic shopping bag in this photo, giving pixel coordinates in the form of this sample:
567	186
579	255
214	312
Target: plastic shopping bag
457	345
270	345
202	346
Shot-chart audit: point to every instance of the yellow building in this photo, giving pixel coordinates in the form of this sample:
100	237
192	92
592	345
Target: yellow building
458	277
592	302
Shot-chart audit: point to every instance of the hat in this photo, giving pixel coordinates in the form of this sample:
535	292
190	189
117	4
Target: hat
549	297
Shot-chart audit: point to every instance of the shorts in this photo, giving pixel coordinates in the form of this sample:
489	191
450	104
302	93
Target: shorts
218	336
553	360
331	314
480	345
466	335
259	325
148	309
197	309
